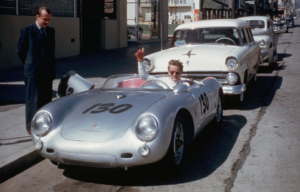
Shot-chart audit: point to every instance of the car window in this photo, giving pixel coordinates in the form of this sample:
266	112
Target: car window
246	35
206	35
268	26
257	24
244	39
250	34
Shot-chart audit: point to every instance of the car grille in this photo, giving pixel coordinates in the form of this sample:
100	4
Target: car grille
87	164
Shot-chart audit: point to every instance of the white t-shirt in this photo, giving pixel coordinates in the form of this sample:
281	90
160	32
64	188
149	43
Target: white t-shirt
167	80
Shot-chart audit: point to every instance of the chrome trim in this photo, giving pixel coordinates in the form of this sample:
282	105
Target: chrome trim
234	90
229	57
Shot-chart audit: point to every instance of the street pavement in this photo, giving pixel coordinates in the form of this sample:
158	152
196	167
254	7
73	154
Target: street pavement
257	148
16	148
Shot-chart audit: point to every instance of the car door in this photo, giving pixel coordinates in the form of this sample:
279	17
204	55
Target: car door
205	106
251	47
255	52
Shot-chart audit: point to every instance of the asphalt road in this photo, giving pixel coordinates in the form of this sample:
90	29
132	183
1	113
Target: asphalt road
257	148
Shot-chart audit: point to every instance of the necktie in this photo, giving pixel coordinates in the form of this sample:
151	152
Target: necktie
44	31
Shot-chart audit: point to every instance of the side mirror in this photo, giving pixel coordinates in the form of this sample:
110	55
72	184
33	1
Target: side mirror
72	83
180	88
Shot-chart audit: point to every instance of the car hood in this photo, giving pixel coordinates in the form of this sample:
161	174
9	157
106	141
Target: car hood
207	57
91	122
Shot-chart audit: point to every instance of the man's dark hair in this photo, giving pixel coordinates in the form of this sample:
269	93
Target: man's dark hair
176	63
39	11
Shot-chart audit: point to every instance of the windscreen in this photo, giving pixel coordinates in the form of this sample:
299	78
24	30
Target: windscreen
257	24
134	82
227	36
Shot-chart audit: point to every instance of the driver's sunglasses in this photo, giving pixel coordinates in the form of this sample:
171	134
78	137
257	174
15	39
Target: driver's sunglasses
172	72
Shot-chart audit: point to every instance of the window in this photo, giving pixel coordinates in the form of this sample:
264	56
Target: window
246	35
244	38
250	35
110	9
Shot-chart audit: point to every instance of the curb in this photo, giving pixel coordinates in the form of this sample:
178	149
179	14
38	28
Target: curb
19	165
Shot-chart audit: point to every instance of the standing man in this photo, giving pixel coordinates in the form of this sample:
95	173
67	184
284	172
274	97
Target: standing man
36	49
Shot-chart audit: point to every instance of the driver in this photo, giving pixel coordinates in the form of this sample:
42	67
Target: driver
191	37
229	34
175	70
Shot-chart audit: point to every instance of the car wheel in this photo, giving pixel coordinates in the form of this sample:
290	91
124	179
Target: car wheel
175	154
217	122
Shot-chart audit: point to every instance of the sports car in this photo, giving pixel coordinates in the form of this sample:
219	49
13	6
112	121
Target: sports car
127	122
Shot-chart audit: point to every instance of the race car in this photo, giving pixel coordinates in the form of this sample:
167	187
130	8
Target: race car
127	122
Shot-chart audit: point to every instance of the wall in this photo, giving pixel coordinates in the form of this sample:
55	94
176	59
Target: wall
114	31
66	28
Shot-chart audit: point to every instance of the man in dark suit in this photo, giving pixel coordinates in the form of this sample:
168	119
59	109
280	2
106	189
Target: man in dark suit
36	49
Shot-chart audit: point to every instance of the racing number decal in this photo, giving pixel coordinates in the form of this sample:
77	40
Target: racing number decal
106	107
203	99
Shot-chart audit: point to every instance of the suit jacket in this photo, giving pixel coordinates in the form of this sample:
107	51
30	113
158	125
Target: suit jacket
37	52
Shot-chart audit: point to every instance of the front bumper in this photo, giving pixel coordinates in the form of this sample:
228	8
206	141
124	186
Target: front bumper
234	89
280	29
121	152
264	54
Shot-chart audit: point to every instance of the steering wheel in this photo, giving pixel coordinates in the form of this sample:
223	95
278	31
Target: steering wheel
167	87
225	38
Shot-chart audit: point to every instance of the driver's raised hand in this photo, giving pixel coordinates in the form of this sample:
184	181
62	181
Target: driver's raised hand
140	54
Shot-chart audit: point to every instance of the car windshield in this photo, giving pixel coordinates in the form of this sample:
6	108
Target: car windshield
134	82
228	36
257	24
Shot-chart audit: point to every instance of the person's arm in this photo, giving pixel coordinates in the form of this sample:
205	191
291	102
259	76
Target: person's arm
141	69
23	44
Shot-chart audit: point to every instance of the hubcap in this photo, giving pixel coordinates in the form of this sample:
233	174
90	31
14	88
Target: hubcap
178	143
219	110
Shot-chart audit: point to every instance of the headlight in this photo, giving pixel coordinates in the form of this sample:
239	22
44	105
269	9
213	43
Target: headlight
232	78
147	64
282	21
146	128
41	124
231	63
261	42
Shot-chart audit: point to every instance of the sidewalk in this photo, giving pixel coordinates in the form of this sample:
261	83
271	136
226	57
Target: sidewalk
16	149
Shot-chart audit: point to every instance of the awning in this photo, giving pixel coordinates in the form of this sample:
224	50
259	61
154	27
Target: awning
214	4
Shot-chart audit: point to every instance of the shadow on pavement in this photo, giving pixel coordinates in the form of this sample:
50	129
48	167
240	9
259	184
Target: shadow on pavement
258	94
204	155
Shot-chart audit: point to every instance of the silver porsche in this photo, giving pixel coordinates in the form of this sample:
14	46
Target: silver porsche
128	122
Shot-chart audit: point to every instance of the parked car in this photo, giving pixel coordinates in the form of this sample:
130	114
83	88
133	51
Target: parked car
131	32
127	122
224	49
290	22
280	25
263	33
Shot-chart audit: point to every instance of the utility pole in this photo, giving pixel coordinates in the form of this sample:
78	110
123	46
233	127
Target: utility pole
233	9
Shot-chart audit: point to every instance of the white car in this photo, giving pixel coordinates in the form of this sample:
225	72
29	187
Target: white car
224	49
264	34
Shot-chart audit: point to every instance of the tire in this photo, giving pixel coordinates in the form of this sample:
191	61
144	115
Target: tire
217	122
175	155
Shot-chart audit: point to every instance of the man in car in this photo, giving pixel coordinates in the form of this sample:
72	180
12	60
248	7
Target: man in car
175	70
229	34
191	37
